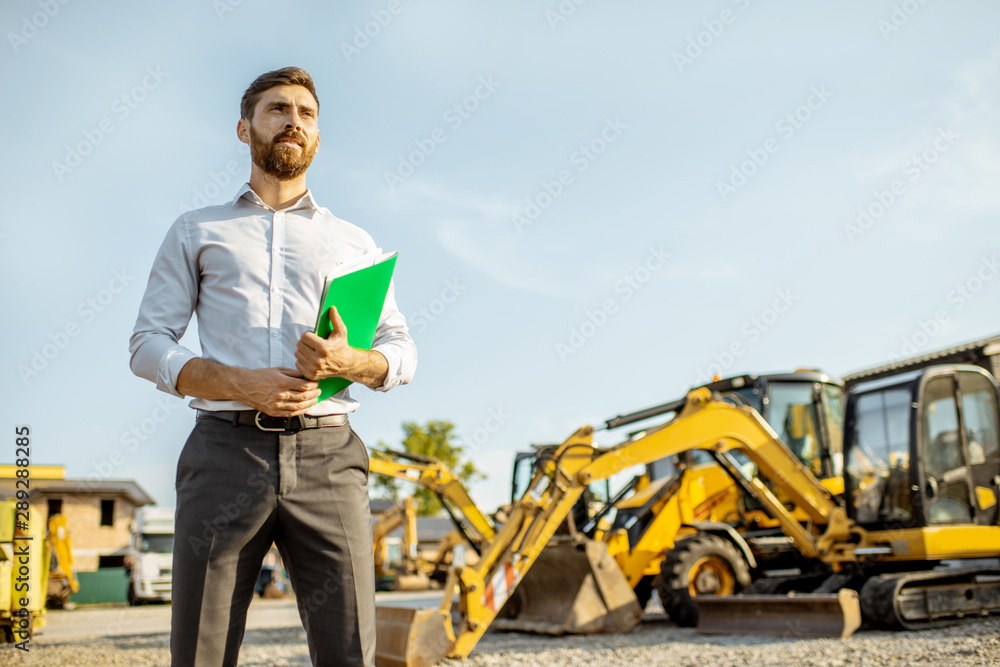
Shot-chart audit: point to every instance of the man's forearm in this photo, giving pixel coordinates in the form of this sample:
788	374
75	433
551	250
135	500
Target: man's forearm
368	367
212	381
279	392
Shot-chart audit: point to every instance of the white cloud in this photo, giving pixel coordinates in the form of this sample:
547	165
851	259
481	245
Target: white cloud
476	229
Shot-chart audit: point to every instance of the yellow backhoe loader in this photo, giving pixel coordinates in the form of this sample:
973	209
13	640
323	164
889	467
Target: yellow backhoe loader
905	514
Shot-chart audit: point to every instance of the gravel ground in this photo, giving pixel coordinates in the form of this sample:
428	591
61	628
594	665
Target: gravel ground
655	642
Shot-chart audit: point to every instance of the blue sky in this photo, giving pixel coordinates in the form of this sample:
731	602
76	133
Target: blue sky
596	205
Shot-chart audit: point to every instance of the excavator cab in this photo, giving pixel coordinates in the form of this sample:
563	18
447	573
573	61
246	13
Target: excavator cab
924	450
805	409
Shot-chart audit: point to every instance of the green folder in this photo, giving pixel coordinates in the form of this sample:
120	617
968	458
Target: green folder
359	297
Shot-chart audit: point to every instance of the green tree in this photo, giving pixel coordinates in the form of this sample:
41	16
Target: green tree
435	439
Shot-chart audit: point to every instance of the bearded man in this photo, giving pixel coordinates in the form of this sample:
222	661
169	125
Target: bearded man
266	462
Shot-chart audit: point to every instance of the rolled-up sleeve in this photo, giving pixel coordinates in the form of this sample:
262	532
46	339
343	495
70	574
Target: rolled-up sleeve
392	338
393	341
165	312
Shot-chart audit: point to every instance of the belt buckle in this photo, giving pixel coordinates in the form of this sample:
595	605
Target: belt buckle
256	421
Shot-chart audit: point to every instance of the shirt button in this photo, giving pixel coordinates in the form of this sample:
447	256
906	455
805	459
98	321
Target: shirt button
275	334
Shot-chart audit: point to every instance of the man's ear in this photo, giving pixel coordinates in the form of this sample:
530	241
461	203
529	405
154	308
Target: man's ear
243	130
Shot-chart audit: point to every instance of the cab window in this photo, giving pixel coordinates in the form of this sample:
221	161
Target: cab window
979	408
879	463
945	475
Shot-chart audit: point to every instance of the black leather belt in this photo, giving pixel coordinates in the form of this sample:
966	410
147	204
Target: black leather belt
277	424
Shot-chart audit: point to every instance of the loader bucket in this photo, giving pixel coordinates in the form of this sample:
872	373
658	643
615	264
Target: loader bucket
572	588
795	615
410	637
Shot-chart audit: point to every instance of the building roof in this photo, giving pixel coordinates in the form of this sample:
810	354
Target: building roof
974	352
79	487
379	505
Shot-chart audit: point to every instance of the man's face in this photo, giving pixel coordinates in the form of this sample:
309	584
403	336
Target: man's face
284	134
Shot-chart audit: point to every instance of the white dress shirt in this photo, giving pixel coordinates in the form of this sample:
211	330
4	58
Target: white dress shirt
254	276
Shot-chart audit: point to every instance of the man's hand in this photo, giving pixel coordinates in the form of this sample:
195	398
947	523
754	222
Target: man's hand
279	392
318	358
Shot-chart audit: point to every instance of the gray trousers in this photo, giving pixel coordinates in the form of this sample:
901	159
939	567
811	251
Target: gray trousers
239	489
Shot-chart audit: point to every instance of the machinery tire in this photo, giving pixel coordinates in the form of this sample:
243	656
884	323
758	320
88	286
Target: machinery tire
703	564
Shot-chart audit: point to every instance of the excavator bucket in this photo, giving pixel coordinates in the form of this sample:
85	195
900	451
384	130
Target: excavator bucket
795	615
573	587
410	637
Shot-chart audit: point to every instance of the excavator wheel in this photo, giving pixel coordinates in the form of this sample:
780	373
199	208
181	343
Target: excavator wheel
703	564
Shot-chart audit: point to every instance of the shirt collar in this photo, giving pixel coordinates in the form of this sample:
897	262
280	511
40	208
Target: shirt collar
305	201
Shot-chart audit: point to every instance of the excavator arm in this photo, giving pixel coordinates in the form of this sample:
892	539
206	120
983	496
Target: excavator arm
434	475
722	429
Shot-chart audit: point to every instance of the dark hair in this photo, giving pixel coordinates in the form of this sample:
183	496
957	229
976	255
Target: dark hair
286	76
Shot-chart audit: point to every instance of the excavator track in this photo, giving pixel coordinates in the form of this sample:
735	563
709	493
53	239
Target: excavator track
917	600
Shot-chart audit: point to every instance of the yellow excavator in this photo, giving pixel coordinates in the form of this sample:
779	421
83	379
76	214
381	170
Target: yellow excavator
690	492
922	465
62	577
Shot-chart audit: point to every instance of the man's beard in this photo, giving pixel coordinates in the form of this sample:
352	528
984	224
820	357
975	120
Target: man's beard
282	162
